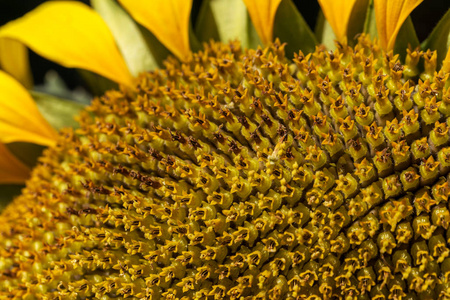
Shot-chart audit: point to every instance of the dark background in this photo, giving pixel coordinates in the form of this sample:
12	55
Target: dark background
425	17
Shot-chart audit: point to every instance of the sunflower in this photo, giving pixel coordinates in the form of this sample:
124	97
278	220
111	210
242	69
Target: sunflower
268	162
114	47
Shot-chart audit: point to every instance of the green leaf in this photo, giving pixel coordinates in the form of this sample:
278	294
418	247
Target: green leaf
290	27
194	43
225	20
7	193
158	50
54	85
97	84
132	44
370	24
58	112
27	153
324	32
356	24
206	24
406	36
439	39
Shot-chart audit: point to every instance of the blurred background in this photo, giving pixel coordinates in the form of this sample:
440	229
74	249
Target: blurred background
424	18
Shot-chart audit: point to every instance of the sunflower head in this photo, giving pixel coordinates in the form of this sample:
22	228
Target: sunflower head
232	172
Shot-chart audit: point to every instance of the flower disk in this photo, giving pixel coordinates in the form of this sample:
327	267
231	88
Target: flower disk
244	175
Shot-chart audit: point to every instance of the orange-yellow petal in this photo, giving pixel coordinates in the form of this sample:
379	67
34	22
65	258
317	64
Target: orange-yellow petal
262	13
337	13
14	61
12	170
446	62
390	15
20	119
73	35
168	20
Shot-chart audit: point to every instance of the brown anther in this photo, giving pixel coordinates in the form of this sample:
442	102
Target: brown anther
397	67
194	143
282	132
155	154
267	120
72	211
355	144
254	135
169	161
243	121
219	137
291	115
384	155
178	137
234	147
256	104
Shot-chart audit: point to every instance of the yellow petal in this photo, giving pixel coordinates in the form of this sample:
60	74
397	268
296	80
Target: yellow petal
20	119
390	15
73	35
12	170
446	62
168	20
337	13
262	13
14	61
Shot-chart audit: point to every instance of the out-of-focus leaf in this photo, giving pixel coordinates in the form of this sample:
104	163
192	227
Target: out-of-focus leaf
324	32
194	43
290	27
7	193
58	112
370	24
439	39
27	153
206	27
356	23
127	35
97	84
158	50
54	85
225	20
406	36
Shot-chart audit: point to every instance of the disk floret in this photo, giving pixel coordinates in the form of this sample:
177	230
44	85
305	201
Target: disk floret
241	173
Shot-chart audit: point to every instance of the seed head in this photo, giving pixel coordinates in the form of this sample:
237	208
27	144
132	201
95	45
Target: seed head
243	175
